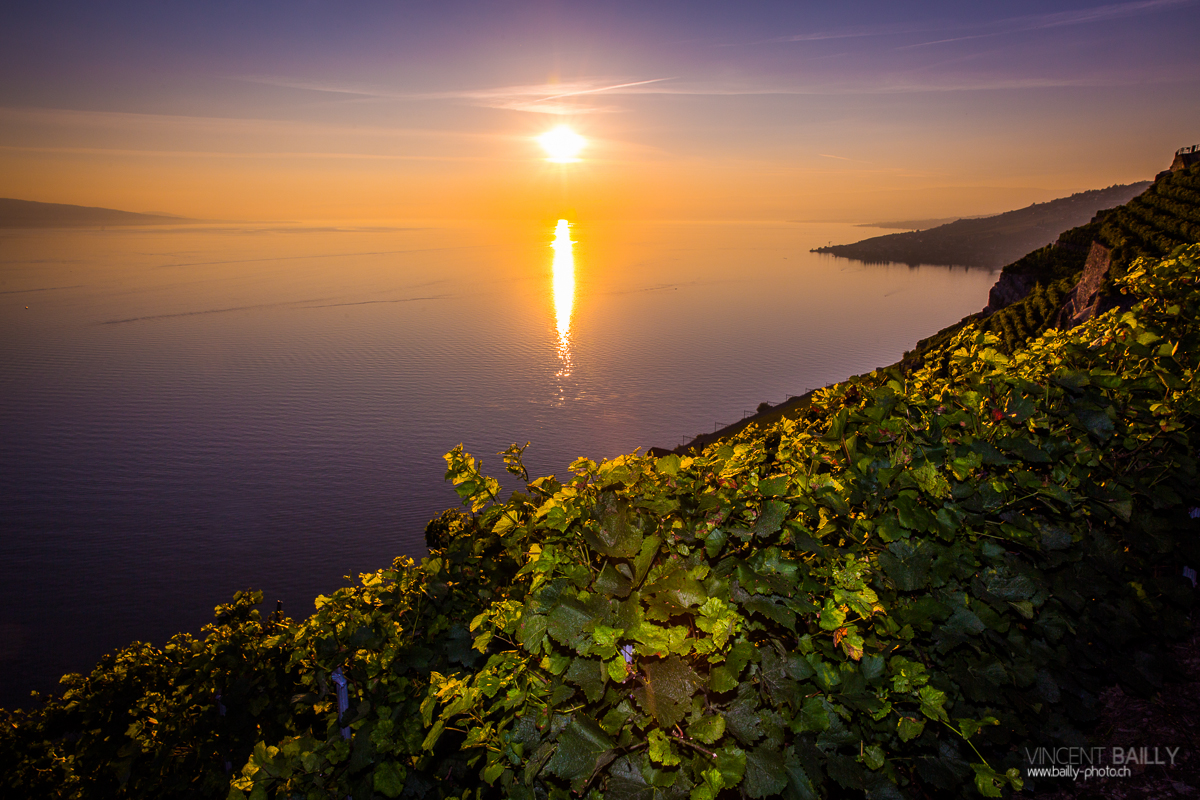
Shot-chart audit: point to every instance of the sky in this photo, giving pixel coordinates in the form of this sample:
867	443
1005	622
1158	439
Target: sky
849	111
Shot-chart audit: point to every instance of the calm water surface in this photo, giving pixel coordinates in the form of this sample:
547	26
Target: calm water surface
189	412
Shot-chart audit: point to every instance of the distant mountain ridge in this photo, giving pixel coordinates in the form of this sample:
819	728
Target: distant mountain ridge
31	214
989	242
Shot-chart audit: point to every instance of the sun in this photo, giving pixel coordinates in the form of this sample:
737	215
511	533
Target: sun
562	144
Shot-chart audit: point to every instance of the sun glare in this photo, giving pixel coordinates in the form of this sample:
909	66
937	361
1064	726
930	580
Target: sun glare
562	144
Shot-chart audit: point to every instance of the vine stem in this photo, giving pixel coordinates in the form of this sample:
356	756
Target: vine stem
596	771
693	745
969	742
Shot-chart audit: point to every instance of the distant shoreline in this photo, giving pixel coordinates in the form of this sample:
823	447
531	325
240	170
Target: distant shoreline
989	242
25	214
918	224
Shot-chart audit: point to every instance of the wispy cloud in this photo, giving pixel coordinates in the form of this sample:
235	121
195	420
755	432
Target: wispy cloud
585	95
901	85
232	154
580	96
1037	22
1097	14
12	117
998	27
854	33
541	98
124	134
548	98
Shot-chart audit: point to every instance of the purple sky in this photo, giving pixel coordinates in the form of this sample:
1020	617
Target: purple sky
694	110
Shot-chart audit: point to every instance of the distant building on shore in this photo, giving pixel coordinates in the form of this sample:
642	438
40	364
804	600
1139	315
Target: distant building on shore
1184	158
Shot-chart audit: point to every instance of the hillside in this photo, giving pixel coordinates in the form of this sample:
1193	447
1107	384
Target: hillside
988	242
1032	294
31	214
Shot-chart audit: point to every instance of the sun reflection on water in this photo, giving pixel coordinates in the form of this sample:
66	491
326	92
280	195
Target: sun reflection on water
564	292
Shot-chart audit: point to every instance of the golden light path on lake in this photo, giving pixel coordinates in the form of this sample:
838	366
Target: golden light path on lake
564	292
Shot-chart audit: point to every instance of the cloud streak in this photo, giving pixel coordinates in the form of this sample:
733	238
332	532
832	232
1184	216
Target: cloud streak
556	98
13	117
550	98
1000	27
234	154
540	98
1038	22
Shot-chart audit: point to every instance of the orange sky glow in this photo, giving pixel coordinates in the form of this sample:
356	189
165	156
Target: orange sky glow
685	116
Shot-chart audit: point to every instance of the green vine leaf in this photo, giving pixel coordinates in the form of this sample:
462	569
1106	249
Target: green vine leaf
666	693
582	748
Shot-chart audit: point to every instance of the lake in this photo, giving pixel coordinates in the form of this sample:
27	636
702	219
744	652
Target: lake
190	411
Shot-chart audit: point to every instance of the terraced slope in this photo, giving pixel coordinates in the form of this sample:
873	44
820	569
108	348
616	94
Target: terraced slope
1153	224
